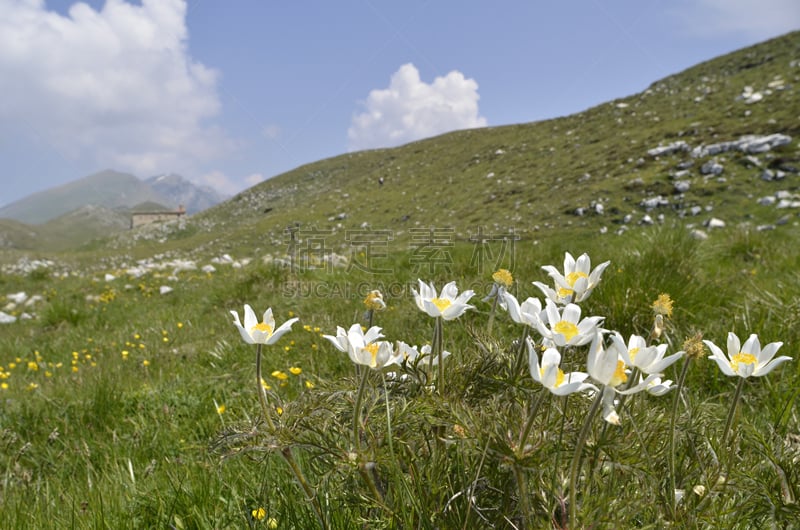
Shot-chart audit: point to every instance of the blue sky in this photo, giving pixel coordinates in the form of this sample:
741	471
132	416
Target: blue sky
228	93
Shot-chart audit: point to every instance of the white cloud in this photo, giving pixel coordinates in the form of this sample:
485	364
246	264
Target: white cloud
411	109
220	182
227	185
115	87
252	180
271	131
758	19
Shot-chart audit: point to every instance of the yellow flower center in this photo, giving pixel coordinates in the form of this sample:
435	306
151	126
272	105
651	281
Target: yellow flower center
573	277
619	376
503	277
441	303
632	353
563	292
263	327
559	377
742	358
373	350
568	329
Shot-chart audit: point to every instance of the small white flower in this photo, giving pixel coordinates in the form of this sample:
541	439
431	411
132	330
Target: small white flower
748	359
550	375
648	359
577	282
565	327
449	304
264	332
364	348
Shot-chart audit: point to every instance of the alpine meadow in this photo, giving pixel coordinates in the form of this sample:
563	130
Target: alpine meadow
585	322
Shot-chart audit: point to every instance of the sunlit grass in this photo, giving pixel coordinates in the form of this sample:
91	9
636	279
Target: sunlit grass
140	409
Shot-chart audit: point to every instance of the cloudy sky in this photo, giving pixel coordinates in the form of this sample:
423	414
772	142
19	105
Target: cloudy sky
228	93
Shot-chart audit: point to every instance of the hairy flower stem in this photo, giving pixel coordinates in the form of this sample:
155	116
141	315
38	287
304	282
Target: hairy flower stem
437	352
362	466
722	474
526	430
524	504
576	459
309	492
357	413
388	417
370	317
520	360
262	393
490	324
732	412
678	390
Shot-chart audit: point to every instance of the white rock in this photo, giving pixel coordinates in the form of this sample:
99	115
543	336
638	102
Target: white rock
715	223
699	234
674	147
18	298
165	289
653	202
711	168
682	186
6	318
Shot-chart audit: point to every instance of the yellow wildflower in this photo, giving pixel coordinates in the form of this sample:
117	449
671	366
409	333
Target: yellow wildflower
503	277
663	305
374	301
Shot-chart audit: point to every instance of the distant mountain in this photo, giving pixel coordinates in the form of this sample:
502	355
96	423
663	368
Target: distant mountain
180	191
113	190
108	188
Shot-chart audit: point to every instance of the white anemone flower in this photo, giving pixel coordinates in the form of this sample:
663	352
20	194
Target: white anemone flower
550	375
577	282
657	387
420	356
606	366
565	327
528	312
449	304
648	359
264	332
746	359
363	348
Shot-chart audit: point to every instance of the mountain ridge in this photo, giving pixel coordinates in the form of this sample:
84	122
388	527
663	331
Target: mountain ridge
110	189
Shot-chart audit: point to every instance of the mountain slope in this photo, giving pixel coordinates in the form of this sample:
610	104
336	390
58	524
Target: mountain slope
538	178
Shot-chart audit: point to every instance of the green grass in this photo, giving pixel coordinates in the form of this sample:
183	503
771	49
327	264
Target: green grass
114	443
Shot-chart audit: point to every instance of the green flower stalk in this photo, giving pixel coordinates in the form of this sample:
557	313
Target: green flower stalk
448	305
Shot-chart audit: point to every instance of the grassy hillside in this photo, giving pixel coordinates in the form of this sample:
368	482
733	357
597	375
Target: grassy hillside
533	177
131	400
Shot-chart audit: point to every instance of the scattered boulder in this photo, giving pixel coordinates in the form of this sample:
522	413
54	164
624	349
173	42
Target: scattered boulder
712	167
674	147
681	186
